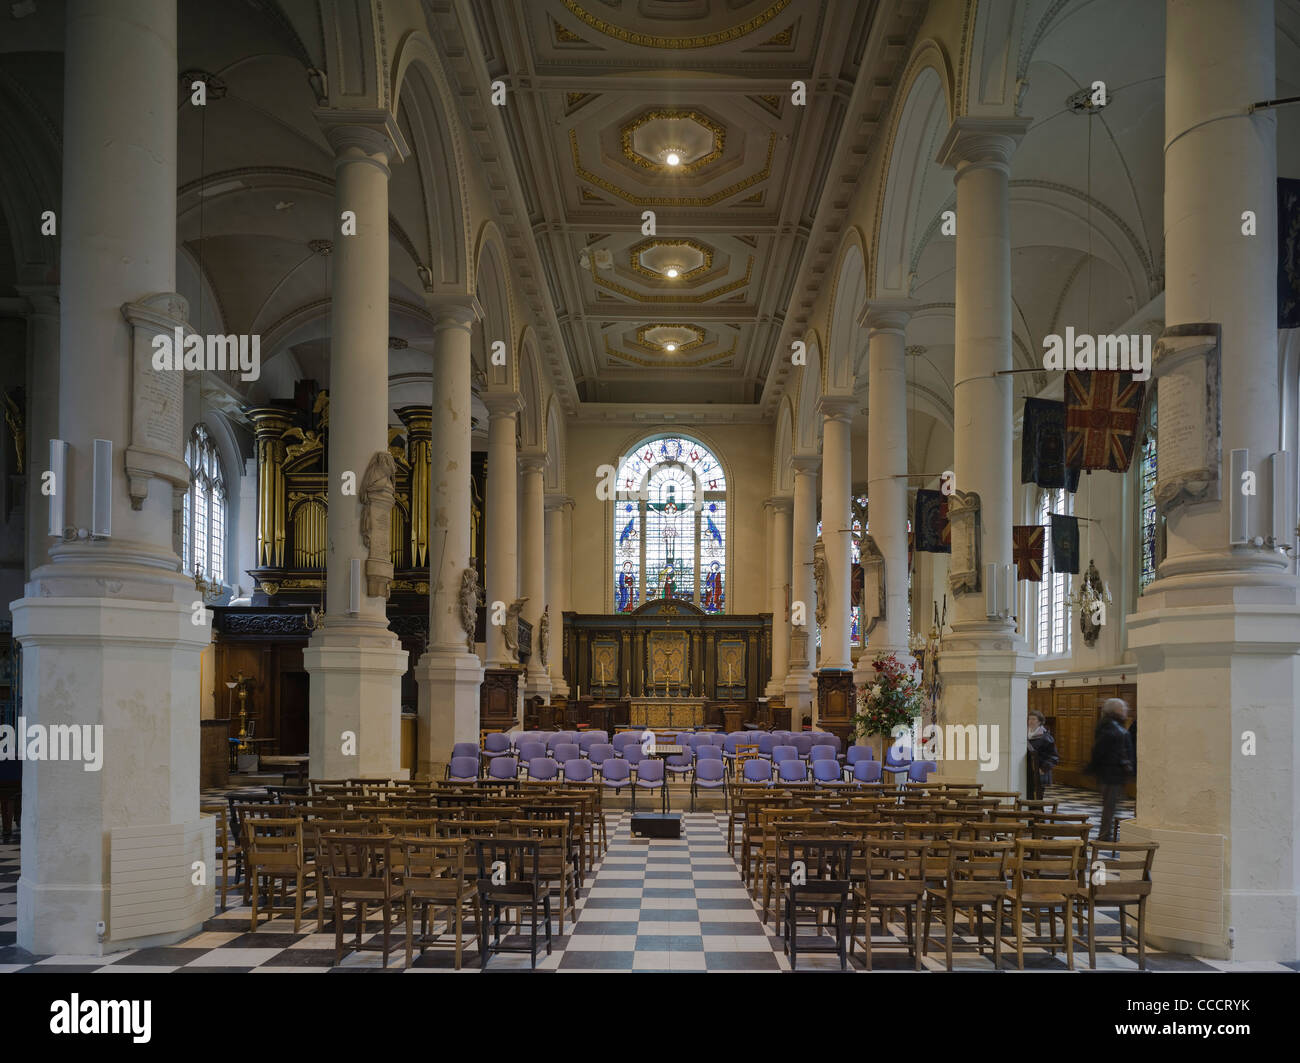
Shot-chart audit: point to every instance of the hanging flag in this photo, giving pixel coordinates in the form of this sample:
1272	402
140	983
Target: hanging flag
1027	551
933	535
1065	543
1288	252
1101	418
1042	446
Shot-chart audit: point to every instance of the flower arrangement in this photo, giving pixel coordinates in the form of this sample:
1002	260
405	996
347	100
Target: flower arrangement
893	699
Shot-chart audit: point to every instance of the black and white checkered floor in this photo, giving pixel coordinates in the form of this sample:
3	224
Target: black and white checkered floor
650	905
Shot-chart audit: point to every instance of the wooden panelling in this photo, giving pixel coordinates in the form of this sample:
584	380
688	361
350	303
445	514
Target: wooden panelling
1071	713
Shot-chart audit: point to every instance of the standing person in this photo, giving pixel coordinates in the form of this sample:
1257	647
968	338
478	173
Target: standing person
1112	760
1044	746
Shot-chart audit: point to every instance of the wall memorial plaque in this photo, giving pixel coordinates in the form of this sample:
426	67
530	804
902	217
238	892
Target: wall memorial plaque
1188	430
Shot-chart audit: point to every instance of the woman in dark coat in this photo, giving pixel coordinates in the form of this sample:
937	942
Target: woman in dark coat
1043	745
1113	761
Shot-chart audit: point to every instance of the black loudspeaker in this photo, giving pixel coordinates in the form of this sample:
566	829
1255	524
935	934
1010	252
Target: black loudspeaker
656	825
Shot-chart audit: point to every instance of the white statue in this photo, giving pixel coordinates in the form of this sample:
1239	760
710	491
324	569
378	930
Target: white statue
468	604
511	629
377	495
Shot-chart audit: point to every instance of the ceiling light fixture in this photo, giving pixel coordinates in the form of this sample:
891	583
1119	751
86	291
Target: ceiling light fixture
672	271
673	159
670	347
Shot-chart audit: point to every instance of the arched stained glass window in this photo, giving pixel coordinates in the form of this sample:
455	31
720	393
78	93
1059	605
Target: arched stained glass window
670	525
203	512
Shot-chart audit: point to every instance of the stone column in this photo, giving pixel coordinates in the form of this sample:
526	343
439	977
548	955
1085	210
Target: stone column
985	664
42	412
532	568
450	674
109	646
803	595
837	537
355	661
558	508
1216	634
778	581
887	472
502	562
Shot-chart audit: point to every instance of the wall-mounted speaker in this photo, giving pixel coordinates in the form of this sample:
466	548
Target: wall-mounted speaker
101	523
1238	503
59	468
992	591
1282	468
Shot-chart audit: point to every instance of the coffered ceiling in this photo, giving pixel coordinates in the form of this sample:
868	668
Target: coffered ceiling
683	108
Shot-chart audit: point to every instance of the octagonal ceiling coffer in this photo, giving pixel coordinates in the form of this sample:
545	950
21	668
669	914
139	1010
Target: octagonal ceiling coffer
673	141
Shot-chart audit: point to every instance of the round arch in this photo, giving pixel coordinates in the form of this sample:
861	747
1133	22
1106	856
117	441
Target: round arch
808	425
492	288
848	297
783	450
532	427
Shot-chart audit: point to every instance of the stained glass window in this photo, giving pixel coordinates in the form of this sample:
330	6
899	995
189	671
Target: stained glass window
670	525
1147	506
1054	590
203	512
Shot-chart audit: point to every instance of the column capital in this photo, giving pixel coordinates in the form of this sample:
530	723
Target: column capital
976	142
779	504
502	403
887	315
371	132
533	461
806	464
837	407
453	312
558	503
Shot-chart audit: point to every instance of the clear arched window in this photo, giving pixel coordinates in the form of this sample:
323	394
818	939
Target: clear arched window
203	514
670	525
1147	505
1054	590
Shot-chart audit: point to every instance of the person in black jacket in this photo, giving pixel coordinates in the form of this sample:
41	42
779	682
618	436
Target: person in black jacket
1042	743
1113	761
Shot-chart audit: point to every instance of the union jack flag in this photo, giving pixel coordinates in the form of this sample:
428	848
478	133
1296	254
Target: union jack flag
1101	419
1027	551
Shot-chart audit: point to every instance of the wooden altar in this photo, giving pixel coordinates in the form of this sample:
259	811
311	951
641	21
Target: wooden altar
668	713
668	651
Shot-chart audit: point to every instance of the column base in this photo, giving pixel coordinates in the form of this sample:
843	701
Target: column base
800	695
118	677
984	708
534	686
1218	756
356	668
449	681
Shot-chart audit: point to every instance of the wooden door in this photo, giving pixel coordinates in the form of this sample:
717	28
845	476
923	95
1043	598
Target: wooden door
294	715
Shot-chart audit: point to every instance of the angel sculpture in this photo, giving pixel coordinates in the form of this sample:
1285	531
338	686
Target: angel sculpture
376	496
511	629
307	442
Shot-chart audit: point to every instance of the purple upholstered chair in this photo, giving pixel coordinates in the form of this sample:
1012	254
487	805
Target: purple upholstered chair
632	754
866	771
504	768
578	770
588	739
565	751
708	752
758	770
623	738
464	749
530	748
615	774
822	751
710	774
919	770
794	770
765	744
803	743
827	771
599	753
496	745
463	769
552	740
680	764
649	776
543	769
717	738
898	758
780	753
824	738
857	753
684	738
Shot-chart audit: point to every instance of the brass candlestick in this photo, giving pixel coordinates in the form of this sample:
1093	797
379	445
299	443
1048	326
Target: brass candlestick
238	685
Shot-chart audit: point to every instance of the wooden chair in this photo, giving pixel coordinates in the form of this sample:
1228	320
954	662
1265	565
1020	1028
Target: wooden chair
1045	877
1122	880
976	877
220	812
823	889
433	877
274	851
893	878
360	871
555	865
510	880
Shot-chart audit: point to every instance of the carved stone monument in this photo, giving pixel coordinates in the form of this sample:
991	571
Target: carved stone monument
377	495
873	584
964	519
544	636
819	578
468	604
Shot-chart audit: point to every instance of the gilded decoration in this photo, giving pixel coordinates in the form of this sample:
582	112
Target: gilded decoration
701	40
670	359
703	297
717	134
653	347
701	253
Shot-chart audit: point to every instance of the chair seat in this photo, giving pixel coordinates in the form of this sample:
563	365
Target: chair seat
891	892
